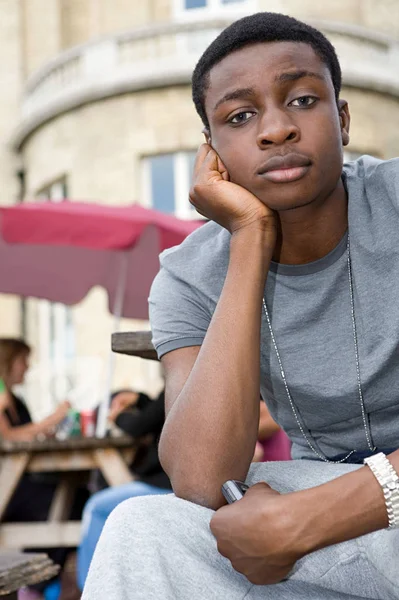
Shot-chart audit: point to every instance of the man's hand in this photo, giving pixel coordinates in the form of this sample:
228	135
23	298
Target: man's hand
224	202
121	402
258	534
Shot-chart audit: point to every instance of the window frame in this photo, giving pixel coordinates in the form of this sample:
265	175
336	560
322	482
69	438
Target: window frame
55	191
55	319
181	178
213	8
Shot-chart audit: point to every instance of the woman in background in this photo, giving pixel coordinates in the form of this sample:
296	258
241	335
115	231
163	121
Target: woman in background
32	499
15	420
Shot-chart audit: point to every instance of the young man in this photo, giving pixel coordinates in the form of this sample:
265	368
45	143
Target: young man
290	290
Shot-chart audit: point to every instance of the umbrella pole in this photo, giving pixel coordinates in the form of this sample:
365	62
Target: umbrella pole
102	425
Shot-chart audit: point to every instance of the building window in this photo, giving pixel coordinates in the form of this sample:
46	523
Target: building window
56	345
55	192
166	183
211	4
199	7
190	4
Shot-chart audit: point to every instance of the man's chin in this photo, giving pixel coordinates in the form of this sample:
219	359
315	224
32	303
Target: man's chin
287	202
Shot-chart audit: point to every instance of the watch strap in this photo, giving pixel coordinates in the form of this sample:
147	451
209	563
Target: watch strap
388	479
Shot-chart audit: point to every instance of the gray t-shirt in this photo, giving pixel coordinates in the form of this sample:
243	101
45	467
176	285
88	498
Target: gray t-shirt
310	311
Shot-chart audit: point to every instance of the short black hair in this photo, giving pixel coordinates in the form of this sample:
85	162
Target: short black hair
261	27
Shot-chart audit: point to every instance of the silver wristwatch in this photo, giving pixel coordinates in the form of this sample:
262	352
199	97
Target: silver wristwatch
388	479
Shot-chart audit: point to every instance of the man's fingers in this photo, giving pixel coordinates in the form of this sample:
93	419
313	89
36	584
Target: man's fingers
222	169
202	153
260	488
259	485
208	162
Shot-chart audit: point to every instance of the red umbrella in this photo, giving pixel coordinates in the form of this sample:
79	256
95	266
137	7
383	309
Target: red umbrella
59	251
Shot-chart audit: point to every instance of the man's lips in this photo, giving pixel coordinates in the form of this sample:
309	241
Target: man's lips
283	169
286	175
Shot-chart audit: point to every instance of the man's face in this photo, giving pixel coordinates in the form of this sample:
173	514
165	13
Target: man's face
275	123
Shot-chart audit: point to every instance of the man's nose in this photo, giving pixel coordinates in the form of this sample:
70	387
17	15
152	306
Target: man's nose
276	127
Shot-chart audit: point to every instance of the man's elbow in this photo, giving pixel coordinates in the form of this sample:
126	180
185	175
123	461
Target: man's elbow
192	483
200	496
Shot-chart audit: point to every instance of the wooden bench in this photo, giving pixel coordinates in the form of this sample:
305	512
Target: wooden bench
18	570
134	343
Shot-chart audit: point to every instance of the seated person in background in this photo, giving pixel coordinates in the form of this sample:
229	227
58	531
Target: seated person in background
16	425
138	416
15	420
273	443
32	498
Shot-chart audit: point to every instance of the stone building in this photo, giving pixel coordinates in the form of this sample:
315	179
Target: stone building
95	105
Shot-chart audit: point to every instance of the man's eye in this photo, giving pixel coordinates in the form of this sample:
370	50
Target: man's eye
241	117
303	101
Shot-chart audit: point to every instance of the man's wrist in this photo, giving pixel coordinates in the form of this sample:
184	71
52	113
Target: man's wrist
255	233
255	244
342	509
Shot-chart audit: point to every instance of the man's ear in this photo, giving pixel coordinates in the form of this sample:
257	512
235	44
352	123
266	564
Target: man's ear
207	135
344	120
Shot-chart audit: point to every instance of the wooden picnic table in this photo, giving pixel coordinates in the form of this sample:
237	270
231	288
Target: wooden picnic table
18	570
134	343
70	458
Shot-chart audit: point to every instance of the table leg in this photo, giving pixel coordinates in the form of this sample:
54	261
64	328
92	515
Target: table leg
63	500
112	466
12	467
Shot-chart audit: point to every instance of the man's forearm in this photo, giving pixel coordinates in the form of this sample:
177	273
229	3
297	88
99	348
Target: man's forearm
342	509
211	430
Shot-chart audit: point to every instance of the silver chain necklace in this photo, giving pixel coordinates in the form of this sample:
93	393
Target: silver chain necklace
311	442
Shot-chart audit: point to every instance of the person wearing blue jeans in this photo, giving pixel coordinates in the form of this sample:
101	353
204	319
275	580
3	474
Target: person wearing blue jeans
138	416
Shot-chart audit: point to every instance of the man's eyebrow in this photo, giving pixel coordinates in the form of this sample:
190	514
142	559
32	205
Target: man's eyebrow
242	93
238	94
295	75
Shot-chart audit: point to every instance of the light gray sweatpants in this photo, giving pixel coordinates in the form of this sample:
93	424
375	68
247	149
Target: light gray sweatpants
161	548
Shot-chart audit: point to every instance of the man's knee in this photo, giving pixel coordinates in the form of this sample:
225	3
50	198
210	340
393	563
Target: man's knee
147	515
138	512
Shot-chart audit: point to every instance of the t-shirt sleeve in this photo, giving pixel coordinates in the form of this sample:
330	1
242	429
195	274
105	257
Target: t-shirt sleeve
179	316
